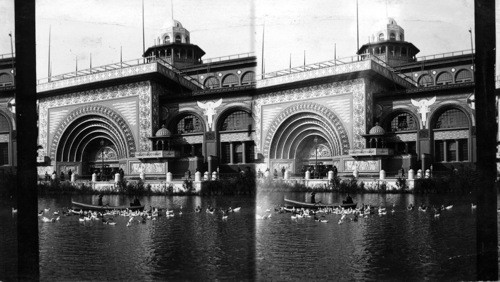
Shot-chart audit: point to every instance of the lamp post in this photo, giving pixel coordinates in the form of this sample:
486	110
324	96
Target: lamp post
316	149
102	158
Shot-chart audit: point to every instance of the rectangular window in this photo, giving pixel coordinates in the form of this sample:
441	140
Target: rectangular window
439	152
4	154
225	153
451	150
463	149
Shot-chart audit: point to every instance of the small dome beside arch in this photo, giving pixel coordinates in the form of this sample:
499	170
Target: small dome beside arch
163	132
377	130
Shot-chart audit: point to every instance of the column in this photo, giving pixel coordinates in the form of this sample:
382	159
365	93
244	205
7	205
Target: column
244	153
445	151
231	154
457	149
192	150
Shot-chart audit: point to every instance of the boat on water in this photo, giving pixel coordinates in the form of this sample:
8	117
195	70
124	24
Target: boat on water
299	204
84	206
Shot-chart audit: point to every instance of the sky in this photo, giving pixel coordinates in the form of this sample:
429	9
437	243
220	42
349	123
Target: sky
290	28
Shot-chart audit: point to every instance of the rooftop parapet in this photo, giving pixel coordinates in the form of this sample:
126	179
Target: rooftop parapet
117	70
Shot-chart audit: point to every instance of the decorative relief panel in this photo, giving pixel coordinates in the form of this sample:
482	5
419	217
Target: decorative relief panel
403	137
451	134
153	168
4	138
362	166
193	139
235	137
140	89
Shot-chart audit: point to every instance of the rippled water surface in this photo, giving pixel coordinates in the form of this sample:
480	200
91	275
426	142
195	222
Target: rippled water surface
401	245
188	246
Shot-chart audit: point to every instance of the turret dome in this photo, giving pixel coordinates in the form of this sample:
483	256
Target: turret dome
163	132
377	130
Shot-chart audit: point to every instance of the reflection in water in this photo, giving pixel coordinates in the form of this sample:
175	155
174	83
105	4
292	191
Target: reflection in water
404	244
401	245
187	246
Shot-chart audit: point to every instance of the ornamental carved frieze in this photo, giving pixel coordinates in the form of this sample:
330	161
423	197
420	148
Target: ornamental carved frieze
308	107
93	109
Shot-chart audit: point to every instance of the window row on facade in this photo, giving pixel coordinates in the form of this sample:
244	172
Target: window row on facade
229	80
445	77
447	147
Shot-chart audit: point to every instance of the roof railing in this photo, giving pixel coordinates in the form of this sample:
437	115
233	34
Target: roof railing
445	55
119	65
230	57
332	63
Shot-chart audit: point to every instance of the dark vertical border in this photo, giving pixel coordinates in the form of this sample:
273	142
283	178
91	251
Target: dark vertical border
26	118
487	253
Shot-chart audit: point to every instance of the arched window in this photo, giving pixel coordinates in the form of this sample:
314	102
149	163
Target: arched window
403	122
212	82
381	37
189	124
177	39
401	37
248	78
425	80
166	39
6	79
187	39
444	78
238	120
392	36
230	80
452	118
463	76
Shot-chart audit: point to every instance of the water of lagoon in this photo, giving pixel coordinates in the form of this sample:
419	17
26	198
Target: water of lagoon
400	245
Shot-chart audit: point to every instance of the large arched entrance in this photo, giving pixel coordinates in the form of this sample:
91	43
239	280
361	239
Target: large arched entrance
304	135
95	137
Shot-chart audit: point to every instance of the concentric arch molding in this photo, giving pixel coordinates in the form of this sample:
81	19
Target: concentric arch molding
94	109
308	107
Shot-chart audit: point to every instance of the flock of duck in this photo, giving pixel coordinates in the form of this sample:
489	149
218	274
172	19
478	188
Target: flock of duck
153	213
108	217
351	214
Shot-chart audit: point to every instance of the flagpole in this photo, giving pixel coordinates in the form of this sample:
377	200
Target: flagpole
143	36
12	57
49	74
263	33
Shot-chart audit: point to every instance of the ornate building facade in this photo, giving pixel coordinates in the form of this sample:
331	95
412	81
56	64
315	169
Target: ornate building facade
173	111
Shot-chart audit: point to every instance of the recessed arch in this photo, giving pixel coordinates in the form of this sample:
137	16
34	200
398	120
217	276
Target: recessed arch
229	111
186	122
310	112
85	122
211	82
248	78
425	80
230	80
463	75
400	120
444	78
